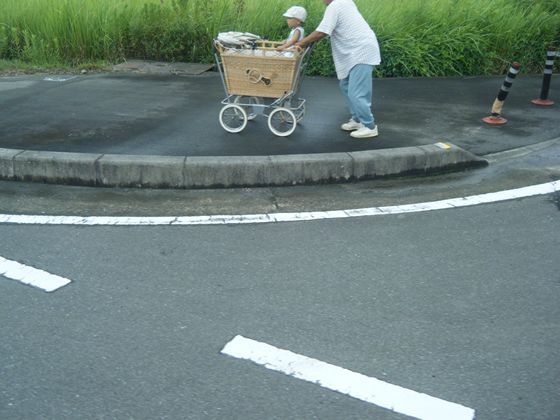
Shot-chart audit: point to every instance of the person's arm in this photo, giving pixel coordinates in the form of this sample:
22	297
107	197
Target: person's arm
311	38
291	41
324	29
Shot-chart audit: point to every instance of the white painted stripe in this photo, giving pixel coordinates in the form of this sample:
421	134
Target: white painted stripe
473	200
31	276
59	78
356	385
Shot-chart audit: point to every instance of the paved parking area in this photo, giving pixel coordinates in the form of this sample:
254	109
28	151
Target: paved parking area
126	113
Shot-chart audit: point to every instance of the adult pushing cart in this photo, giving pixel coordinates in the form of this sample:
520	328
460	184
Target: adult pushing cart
260	80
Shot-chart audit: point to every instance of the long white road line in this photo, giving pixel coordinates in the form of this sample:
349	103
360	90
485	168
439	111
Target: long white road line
534	190
356	385
25	274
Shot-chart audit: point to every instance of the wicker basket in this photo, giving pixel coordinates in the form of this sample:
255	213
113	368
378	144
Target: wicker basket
263	71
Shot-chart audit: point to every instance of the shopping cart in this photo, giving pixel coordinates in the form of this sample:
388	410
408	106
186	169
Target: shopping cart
259	80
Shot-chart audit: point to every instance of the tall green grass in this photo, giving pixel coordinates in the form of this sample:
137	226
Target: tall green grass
418	37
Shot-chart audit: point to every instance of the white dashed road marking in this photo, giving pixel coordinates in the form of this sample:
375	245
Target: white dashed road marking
31	276
356	385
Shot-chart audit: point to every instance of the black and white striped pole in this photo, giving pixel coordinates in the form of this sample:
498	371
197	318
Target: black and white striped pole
496	117
548	67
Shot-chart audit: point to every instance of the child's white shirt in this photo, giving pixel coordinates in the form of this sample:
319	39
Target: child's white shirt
301	33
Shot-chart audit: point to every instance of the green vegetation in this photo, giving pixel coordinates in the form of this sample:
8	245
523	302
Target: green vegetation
418	37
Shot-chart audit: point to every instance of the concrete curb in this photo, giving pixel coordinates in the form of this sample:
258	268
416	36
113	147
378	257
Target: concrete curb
230	171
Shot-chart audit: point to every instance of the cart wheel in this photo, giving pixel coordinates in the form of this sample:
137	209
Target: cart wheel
247	103
282	122
233	118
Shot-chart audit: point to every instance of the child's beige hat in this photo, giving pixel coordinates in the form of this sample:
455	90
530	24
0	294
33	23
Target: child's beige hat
296	12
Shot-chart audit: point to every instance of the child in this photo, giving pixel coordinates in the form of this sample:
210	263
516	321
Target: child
296	16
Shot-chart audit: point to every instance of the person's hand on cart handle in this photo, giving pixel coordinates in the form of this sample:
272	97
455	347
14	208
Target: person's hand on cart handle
310	39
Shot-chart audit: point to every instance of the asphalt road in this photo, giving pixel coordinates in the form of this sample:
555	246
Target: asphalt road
460	304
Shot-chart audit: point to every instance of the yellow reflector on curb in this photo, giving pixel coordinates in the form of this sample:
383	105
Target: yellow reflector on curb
444	146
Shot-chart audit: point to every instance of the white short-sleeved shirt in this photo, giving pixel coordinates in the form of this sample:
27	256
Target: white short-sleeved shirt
301	33
352	40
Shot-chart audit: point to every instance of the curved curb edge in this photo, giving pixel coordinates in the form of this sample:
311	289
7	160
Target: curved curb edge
230	171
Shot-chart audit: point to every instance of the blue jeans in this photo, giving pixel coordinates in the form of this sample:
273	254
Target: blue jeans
358	90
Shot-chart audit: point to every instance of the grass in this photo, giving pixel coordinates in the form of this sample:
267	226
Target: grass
417	37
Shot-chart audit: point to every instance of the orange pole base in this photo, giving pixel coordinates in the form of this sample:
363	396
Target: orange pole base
494	120
542	102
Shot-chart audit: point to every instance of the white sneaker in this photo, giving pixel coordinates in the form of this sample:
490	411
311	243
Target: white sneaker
351	125
365	132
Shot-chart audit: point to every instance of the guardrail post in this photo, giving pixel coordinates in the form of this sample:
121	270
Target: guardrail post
496	117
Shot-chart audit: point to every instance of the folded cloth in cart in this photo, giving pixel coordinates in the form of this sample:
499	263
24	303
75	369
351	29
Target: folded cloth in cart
237	39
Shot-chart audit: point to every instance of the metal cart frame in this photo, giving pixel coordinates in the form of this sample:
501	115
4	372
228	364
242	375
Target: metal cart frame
259	80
